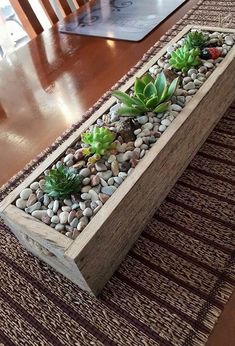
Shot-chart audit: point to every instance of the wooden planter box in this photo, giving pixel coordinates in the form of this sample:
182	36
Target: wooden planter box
91	259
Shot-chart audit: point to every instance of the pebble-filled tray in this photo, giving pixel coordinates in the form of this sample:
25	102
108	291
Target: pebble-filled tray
83	208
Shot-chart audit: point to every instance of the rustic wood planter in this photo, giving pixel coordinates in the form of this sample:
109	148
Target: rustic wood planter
92	258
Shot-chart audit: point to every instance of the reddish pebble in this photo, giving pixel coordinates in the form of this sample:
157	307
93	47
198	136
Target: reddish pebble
103	197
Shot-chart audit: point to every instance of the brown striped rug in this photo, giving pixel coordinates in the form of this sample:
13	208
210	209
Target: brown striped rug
174	283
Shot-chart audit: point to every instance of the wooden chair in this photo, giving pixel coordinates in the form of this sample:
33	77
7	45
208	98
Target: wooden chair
29	18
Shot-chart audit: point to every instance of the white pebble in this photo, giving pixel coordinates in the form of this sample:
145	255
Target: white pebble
162	128
64	217
87	212
21	203
138	142
55	219
25	193
34	186
85	172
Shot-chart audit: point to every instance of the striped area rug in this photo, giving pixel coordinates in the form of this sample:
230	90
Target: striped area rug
174	283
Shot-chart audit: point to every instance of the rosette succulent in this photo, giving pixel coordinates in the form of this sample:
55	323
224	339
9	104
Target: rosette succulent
61	182
100	140
150	95
183	58
195	39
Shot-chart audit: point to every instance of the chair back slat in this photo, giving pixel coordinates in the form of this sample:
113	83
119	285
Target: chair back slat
49	11
54	11
64	7
27	17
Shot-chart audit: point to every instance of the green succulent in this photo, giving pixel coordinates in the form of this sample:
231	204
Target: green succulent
150	95
195	39
61	182
100	140
183	58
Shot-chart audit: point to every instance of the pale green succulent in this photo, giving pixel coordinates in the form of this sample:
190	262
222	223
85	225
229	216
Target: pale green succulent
100	141
150	95
183	58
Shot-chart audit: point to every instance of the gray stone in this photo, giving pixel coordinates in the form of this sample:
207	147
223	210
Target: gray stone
191	72
68	157
118	180
64	217
32	208
99	166
88	212
85	188
50	213
94	195
105	175
108	190
208	64
59	227
85	196
21	203
162	128
25	193
68	202
147	126
74	222
85	172
142	120
189	86
86	181
175	107
66	208
39	214
166	122
229	40
138	142
34	186
55	206
55	219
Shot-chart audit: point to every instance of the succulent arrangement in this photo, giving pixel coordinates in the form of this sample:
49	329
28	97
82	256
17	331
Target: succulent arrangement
100	141
195	39
149	96
184	58
61	182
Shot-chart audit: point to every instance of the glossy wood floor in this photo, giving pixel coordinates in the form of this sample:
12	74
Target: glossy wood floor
47	86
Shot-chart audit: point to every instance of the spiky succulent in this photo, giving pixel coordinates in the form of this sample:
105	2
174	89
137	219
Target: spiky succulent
183	58
61	182
100	141
150	95
195	39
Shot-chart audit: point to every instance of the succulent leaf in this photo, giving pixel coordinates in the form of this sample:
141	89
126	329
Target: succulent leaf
123	97
139	86
61	182
163	107
172	88
147	78
161	83
147	97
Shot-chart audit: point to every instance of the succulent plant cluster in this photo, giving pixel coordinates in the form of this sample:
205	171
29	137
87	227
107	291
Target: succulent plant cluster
100	140
188	56
195	39
61	182
149	96
183	58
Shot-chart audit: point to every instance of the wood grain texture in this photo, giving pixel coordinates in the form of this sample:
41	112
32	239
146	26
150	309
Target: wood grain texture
103	244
